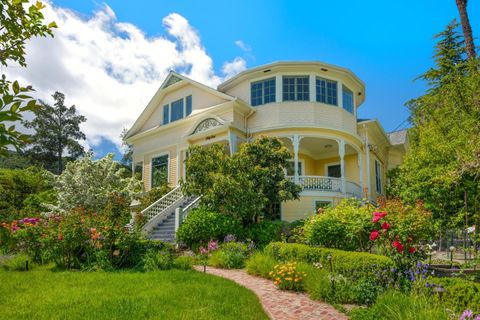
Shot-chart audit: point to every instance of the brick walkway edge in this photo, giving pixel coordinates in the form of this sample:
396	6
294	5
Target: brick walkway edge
279	304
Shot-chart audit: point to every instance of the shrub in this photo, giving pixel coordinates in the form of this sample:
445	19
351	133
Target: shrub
157	260
153	195
345	226
458	295
184	262
288	277
398	306
260	264
17	263
351	264
203	225
266	231
231	255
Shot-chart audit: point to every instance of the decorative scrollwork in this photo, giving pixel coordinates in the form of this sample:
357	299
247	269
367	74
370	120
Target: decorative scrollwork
206	125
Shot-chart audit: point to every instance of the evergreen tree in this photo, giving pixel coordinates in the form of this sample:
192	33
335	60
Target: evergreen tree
57	131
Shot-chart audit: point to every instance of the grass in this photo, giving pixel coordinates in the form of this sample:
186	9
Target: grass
173	294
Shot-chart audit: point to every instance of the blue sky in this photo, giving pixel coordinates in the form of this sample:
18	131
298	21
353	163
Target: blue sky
386	43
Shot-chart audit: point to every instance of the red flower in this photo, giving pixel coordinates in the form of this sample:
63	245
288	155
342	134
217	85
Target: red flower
374	235
412	250
398	245
385	226
377	216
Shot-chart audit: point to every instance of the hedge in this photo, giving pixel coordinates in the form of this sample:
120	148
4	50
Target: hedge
348	263
460	294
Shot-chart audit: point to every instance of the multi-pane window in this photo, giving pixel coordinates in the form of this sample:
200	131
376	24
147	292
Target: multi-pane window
262	92
378	176
296	88
326	91
177	110
159	171
347	99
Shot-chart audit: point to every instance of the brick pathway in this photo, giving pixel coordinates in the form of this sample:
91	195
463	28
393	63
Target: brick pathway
279	304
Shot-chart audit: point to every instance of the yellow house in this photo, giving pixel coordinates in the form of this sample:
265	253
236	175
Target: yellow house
311	106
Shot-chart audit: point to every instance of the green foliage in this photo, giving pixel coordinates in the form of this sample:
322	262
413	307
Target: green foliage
57	131
266	231
17	263
230	255
204	225
350	264
398	306
184	262
87	183
444	143
246	185
260	264
24	192
459	294
346	226
157	260
20	22
153	195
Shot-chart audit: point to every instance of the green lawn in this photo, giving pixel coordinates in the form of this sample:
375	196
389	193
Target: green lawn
124	295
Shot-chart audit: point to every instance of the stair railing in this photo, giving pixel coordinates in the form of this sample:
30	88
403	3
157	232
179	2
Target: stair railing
182	213
157	211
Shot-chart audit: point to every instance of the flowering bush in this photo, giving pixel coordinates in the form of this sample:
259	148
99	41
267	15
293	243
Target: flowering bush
231	255
287	277
206	251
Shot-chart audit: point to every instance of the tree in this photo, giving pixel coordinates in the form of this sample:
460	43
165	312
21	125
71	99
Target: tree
87	183
17	25
443	161
467	29
57	130
247	185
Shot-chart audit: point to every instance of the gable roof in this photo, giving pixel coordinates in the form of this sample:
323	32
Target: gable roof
173	81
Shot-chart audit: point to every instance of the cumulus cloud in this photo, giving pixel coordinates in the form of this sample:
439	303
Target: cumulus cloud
111	69
242	45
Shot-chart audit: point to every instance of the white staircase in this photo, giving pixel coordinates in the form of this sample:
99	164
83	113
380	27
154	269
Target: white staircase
164	216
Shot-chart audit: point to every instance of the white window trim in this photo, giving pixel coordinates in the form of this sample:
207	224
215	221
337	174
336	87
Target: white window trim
271	77
331	80
322	200
308	76
168	166
331	164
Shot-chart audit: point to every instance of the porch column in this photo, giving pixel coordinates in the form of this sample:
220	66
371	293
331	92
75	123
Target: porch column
296	145
177	175
341	153
367	151
360	171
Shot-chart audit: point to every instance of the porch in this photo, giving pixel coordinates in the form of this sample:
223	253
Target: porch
325	166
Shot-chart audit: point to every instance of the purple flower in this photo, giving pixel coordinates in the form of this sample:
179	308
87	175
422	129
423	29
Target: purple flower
467	314
203	250
212	245
229	238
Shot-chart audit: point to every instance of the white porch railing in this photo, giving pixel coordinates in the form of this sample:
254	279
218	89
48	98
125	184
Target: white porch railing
182	213
330	184
158	210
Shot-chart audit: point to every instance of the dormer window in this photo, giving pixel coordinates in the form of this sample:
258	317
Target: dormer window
296	88
262	91
177	110
347	95
326	91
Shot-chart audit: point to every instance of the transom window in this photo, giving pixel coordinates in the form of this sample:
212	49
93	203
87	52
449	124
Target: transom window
262	92
177	110
296	88
347	99
159	171
326	91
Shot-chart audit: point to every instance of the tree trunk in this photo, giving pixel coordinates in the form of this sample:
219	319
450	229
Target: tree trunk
467	29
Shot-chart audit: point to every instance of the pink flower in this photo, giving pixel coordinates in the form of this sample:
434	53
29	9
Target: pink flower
396	244
374	235
377	216
412	250
212	245
203	250
385	226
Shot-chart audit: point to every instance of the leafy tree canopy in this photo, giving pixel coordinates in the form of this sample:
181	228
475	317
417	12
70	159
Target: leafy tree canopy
246	185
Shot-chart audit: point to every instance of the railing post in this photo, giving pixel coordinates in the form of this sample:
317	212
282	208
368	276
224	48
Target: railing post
296	145
178	216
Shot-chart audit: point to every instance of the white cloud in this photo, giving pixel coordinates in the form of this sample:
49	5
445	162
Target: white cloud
242	45
111	69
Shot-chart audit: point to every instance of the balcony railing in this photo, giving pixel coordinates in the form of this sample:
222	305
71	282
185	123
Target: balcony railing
330	184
